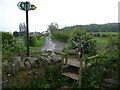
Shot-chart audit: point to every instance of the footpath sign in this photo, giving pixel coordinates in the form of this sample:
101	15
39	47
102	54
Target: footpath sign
26	6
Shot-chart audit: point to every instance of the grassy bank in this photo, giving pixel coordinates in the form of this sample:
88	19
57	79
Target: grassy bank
40	43
55	39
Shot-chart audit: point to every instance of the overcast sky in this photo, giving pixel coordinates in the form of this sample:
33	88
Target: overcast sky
63	12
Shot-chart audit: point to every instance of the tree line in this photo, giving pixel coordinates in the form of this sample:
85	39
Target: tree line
110	27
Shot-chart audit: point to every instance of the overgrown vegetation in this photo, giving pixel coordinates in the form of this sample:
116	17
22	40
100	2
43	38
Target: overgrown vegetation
10	45
76	36
52	78
105	67
15	45
81	36
105	44
102	44
61	36
40	41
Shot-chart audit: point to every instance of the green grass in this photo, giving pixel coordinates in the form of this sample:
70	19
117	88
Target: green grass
39	44
113	33
102	43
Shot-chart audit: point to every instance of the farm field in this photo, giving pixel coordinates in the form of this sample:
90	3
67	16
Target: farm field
113	33
102	43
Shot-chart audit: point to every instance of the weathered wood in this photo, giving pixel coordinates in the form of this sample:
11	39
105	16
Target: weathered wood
110	81
72	56
62	63
81	50
66	59
92	57
80	72
65	66
71	75
74	63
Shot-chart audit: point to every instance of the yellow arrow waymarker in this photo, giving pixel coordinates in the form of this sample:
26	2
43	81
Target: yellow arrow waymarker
33	7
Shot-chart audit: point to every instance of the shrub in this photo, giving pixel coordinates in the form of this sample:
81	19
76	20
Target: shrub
87	40
32	41
62	36
10	44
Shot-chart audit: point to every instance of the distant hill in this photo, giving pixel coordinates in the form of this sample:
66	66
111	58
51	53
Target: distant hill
110	27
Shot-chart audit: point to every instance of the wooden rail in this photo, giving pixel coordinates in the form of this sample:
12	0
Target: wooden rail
92	57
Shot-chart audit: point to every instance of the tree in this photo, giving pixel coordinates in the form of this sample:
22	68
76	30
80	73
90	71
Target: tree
22	29
53	27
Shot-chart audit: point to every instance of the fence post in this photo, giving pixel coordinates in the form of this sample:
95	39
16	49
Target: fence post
80	48
62	62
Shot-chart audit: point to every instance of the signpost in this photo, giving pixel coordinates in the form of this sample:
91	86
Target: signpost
26	6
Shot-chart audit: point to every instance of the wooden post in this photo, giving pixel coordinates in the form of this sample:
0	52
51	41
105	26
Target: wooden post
86	62
80	47
65	59
62	62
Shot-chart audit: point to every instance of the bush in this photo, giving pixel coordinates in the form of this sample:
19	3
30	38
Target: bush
32	41
97	35
61	36
38	37
87	40
107	66
10	44
52	78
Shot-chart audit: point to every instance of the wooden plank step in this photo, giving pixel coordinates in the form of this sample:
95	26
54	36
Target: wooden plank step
72	56
71	75
74	63
65	66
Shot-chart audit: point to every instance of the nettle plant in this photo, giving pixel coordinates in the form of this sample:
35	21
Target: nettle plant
89	44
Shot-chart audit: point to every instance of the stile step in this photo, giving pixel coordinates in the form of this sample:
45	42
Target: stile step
74	63
65	66
71	75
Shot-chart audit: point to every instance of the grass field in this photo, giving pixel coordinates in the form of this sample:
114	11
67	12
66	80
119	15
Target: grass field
101	43
113	33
